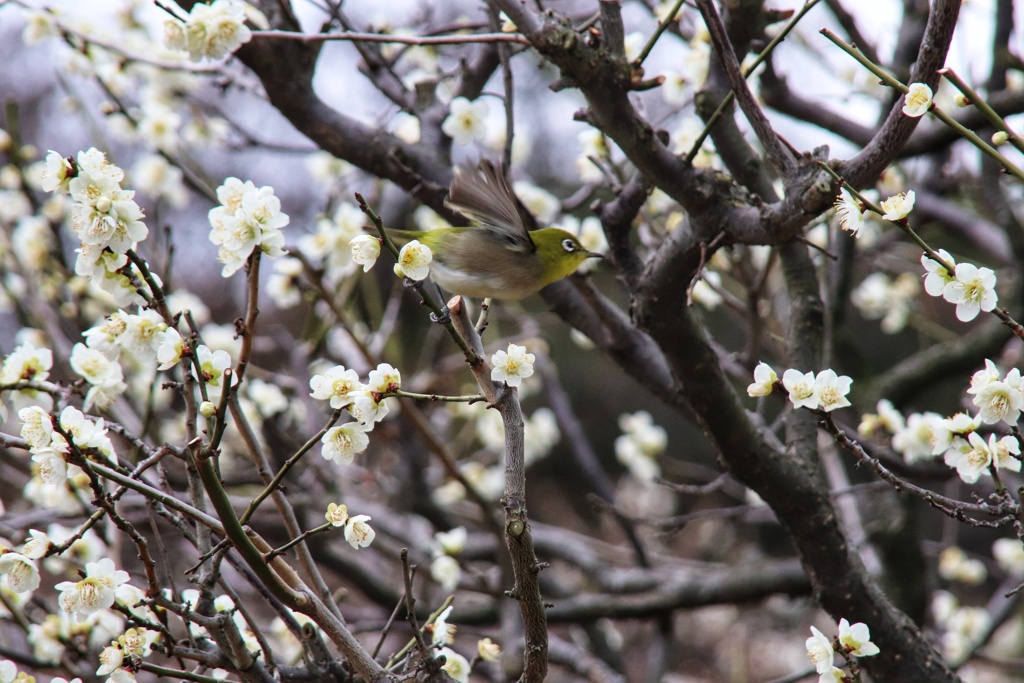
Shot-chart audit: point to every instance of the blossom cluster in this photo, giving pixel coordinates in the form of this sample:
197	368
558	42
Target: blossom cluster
26	364
49	447
358	533
131	645
540	435
337	246
854	640
248	217
851	213
104	217
213	30
922	436
639	445
364	402
880	297
824	391
971	288
444	568
94	592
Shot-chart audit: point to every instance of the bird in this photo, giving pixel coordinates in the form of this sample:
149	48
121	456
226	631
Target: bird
501	257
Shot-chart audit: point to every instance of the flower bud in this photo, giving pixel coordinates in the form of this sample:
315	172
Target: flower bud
962	100
1000	138
207	409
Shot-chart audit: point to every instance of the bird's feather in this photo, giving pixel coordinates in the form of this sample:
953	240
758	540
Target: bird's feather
482	193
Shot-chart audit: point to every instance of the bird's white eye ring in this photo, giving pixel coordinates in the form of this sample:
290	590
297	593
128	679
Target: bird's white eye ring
568	245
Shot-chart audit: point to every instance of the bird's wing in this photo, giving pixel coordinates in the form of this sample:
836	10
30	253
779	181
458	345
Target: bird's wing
482	193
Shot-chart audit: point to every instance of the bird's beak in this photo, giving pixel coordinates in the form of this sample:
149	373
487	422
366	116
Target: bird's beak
594	254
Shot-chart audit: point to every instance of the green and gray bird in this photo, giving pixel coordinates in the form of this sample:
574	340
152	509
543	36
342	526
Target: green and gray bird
501	258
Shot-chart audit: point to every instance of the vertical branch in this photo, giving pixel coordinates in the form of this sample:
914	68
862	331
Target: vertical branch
779	157
525	566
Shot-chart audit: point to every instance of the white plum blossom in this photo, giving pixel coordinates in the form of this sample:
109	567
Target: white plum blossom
594	146
105	377
540	435
336	514
384	379
140	337
153	175
918	100
831	390
965	627
36	426
336	385
368	407
20	571
365	251
212	364
445	570
512	366
249	217
358	533
833	675
1003	452
331	244
50	463
111	658
343	442
849	212
972	290
94	592
1000	400
640	444
801	388
104	215
887	418
106	336
706	289
955	565
937	277
158	125
981	378
441	632
283	286
267	397
57	174
414	261
856	639
820	651
466	121
959	425
1009	555
488	650
26	363
974	459
898	206
90	437
455	665
36	546
451	542
170	348
212	31
327	169
878	296
8	671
